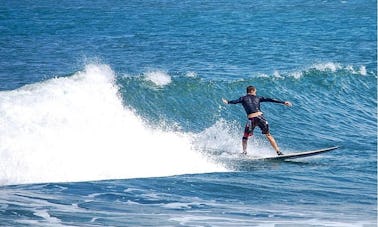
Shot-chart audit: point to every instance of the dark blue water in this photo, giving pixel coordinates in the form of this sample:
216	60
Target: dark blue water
111	113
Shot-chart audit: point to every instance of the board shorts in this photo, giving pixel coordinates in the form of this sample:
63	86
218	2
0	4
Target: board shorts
251	124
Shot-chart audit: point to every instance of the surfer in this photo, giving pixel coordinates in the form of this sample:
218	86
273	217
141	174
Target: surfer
251	104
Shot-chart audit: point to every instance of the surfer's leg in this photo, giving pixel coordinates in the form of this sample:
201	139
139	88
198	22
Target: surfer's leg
244	145
264	126
273	143
248	131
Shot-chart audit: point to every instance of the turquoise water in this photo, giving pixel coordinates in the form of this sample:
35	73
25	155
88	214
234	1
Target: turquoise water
111	113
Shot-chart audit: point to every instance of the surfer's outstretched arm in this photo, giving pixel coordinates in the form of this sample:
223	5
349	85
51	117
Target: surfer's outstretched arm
286	103
236	101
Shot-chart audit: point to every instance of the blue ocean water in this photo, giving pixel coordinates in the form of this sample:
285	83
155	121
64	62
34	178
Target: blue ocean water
111	112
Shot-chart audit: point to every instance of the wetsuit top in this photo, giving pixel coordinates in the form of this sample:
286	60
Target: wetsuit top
251	103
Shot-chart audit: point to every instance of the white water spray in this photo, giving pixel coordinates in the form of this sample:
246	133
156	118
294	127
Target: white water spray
76	129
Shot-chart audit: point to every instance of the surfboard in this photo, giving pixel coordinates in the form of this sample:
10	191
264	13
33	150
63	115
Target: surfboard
300	154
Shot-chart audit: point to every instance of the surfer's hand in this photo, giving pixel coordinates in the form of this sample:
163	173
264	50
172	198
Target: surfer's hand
287	103
225	101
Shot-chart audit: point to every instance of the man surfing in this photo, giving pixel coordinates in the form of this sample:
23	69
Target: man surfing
251	104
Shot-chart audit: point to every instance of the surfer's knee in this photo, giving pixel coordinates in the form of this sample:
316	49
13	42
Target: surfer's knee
246	135
268	135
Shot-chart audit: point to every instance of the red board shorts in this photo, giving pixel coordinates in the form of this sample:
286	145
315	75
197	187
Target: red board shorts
251	124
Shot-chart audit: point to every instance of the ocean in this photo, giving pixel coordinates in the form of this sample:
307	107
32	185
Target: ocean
111	112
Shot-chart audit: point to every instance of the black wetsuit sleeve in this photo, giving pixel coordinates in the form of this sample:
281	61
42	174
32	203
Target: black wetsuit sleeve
236	101
263	99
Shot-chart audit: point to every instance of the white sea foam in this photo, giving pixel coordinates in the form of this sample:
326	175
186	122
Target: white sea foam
330	66
363	71
327	66
76	128
277	74
191	74
323	67
46	216
159	78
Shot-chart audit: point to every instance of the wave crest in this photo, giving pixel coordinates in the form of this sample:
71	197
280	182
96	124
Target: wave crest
320	68
76	128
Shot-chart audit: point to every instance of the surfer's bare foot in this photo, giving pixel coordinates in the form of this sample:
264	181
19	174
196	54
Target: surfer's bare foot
244	152
279	153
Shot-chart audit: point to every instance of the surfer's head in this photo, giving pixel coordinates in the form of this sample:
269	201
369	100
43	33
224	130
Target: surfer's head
251	90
